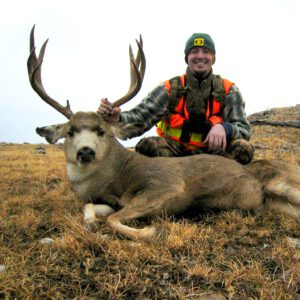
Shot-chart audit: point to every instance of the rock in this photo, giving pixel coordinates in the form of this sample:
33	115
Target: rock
2	268
40	150
212	296
46	241
261	146
293	242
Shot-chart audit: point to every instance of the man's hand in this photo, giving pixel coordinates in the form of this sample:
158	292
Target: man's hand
107	112
216	138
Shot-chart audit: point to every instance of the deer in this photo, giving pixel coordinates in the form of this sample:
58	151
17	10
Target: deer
118	185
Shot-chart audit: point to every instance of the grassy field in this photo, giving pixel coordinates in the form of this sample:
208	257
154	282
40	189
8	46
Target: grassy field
46	253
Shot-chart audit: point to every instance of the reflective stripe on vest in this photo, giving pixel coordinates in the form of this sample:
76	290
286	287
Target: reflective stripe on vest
173	128
163	129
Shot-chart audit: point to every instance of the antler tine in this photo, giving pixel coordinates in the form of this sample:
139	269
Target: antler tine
34	66
137	71
140	59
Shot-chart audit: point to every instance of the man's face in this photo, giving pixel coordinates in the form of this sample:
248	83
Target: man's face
200	60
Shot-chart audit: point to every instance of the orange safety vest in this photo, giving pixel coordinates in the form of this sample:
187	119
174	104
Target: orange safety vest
171	127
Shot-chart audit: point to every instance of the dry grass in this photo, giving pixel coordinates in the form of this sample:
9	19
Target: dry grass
240	255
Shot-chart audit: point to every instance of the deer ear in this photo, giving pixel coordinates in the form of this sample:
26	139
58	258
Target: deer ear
127	131
52	133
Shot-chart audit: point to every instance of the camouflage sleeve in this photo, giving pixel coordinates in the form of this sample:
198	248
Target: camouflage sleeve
234	115
149	111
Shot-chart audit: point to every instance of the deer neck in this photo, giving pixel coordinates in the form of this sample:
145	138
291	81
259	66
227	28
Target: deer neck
99	178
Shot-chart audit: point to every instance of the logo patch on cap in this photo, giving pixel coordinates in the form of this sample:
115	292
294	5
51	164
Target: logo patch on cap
199	42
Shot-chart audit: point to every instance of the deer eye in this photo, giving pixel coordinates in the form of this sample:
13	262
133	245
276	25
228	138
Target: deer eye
71	132
100	132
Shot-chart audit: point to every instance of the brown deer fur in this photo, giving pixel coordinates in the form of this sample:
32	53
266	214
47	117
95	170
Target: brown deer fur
128	185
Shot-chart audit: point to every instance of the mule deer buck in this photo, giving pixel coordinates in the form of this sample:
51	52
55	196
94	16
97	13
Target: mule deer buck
123	185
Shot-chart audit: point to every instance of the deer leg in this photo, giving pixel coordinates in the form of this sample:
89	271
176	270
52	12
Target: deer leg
92	211
103	210
284	198
115	221
149	205
285	208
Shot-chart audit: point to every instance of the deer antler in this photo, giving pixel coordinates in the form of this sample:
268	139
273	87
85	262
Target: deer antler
137	71
34	66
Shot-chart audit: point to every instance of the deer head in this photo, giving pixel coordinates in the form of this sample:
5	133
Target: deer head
85	132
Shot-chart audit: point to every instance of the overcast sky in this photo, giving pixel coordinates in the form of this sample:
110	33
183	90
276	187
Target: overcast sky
257	45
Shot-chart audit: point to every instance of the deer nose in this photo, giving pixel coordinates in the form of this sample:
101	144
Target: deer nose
86	155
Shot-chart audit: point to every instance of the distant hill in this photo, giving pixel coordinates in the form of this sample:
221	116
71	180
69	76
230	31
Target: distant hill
287	114
279	142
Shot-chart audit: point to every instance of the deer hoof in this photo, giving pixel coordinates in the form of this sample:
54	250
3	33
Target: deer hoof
150	233
92	224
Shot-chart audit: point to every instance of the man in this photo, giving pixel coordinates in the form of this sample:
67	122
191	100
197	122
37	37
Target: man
197	112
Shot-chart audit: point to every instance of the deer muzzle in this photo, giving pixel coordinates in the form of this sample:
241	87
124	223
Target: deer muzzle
86	155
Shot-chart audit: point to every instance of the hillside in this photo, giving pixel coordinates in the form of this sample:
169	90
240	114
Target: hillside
46	253
277	141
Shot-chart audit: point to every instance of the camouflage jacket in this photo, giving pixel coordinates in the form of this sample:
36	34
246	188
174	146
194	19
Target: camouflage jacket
155	106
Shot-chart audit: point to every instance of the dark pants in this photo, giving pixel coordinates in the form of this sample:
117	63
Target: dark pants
239	150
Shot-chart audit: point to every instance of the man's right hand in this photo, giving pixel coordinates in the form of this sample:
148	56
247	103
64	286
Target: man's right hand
107	112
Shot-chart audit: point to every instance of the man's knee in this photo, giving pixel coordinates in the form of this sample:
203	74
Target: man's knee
241	150
152	147
146	146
